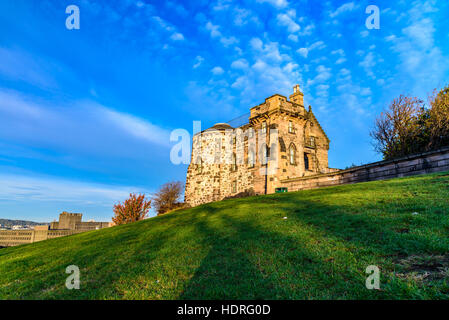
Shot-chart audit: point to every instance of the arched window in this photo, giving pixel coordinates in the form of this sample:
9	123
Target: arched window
292	154
306	161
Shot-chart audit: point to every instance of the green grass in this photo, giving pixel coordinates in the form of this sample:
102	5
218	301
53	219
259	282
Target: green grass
244	249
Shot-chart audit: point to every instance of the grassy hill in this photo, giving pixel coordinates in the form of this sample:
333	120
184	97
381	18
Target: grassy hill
245	249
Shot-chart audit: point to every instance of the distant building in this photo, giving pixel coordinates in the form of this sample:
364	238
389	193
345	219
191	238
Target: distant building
68	224
72	221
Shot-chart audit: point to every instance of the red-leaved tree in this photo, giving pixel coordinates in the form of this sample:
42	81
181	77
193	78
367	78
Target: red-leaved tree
133	209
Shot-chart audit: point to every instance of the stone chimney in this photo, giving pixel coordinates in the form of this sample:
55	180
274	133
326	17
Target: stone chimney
297	96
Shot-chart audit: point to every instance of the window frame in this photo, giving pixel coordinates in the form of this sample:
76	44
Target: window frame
292	154
291	129
306	162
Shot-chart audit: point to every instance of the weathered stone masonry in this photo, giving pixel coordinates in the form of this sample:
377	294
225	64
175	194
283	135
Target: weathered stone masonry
225	163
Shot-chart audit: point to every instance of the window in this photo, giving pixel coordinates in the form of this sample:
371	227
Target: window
290	127
292	154
306	161
234	187
199	166
234	141
312	141
250	132
264	127
234	163
251	159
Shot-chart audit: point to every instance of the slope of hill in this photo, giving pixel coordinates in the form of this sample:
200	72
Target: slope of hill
246	249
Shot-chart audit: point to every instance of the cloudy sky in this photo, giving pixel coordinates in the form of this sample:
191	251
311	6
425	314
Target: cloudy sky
86	115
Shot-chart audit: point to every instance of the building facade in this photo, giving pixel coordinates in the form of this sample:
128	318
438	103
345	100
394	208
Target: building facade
68	224
281	140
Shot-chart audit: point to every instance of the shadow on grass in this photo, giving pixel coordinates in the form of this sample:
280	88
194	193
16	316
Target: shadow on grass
261	264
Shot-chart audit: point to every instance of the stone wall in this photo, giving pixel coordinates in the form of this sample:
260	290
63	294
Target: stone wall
291	136
422	163
68	224
9	238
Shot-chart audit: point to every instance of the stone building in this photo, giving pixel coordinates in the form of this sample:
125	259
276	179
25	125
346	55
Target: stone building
281	140
68	224
72	221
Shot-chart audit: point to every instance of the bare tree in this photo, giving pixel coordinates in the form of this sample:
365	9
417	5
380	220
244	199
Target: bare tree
167	198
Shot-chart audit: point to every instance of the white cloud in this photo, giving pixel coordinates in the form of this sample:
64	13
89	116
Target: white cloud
222	5
342	55
276	3
18	65
293	37
307	30
287	20
422	62
243	16
228	41
343	8
365	92
163	24
198	61
217	71
304	52
290	67
177	36
135	126
168	27
339	52
241	64
215	33
256	43
368	63
43	188
317	45
323	74
269	50
82	128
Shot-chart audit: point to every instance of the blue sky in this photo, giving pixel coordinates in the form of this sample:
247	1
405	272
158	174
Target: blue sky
85	115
